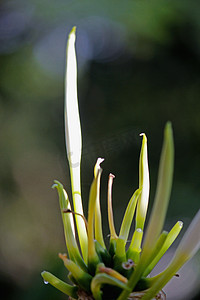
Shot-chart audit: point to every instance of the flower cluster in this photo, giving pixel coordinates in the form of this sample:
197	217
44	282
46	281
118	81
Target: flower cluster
119	271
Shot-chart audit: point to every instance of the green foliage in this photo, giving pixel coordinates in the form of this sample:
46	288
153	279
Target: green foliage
153	79
124	270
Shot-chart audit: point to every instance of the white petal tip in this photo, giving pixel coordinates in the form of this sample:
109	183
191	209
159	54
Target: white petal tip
99	161
111	175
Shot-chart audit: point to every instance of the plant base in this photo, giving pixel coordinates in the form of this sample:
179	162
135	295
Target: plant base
138	295
133	296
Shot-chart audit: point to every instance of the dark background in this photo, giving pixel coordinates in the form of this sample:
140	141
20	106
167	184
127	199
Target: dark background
138	66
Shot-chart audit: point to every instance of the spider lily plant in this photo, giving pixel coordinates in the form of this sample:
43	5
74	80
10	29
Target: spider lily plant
121	270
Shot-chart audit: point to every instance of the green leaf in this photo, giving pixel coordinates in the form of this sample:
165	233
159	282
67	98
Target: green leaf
163	191
60	285
187	248
93	258
135	246
143	185
83	279
157	217
98	222
68	224
170	238
120	255
102	278
128	216
103	254
113	235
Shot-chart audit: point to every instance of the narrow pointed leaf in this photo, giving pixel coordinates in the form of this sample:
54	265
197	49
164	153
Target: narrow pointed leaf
157	218
113	234
128	216
126	224
170	238
187	248
163	190
143	185
93	258
98	221
68	223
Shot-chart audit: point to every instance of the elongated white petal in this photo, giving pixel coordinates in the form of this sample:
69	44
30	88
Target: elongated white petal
73	138
72	120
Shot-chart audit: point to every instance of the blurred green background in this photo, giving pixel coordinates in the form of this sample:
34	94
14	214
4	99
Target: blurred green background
139	66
